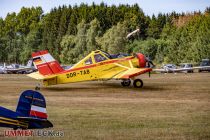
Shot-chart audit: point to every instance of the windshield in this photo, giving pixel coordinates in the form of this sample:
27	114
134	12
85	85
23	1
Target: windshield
182	66
106	54
99	58
205	63
186	65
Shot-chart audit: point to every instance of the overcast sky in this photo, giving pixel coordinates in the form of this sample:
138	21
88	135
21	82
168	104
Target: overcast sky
149	6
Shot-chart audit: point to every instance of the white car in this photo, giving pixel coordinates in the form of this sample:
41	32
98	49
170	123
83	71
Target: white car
169	68
1	69
186	66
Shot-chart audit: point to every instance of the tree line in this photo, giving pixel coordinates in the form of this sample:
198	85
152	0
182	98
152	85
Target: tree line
71	32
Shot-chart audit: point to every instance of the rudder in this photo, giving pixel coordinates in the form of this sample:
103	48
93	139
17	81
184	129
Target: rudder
45	63
32	104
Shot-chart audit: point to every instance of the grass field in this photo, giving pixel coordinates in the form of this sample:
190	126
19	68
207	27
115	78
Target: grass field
169	106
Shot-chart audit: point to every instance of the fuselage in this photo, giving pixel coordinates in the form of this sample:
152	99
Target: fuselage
98	65
8	118
103	70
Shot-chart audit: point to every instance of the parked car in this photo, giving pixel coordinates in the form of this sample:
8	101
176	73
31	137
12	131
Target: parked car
204	62
187	65
169	68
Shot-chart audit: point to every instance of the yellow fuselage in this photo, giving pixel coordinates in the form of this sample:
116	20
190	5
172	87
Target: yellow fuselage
104	70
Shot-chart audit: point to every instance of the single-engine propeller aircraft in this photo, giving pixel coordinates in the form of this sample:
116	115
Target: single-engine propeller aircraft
30	113
98	65
17	68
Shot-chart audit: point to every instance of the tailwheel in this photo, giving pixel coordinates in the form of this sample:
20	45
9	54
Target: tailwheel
126	82
37	87
138	83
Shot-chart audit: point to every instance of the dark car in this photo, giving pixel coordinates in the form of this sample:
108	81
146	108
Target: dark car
205	62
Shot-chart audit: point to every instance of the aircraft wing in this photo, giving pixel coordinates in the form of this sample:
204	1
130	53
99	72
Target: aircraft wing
171	70
181	69
159	70
132	72
16	70
202	67
30	119
38	76
192	68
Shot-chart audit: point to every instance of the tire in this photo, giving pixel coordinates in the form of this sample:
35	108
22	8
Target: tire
126	83
138	83
37	88
23	72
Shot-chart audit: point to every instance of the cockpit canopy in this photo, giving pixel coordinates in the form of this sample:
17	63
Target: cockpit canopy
98	56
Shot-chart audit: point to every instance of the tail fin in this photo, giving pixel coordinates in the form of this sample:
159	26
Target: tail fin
29	63
45	63
32	104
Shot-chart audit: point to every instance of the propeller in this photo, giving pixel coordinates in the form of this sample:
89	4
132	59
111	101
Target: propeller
149	64
132	33
143	60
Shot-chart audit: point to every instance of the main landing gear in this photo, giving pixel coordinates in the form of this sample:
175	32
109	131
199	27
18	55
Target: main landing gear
137	83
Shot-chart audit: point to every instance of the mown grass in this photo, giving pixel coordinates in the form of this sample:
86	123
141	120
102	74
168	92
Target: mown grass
170	106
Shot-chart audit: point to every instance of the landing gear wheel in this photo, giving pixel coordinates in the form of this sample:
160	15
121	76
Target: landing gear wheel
37	87
126	83
138	83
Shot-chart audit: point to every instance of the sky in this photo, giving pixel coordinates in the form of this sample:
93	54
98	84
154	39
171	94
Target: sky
149	7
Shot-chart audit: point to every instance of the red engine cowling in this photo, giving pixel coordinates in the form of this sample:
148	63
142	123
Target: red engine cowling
142	60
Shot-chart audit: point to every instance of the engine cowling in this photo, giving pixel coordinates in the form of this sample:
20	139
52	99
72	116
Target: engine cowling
142	60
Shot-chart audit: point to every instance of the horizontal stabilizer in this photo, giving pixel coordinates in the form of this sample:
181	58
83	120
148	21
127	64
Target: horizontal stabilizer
38	76
42	123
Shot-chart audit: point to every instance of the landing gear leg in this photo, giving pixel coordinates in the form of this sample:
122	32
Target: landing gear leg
37	87
126	82
138	83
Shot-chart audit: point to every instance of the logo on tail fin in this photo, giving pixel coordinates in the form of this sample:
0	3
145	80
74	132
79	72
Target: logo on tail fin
39	112
37	61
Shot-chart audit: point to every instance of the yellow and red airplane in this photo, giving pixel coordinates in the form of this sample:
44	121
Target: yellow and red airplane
98	65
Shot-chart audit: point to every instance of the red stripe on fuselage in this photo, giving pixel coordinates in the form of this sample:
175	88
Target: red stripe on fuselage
98	64
44	70
47	72
38	114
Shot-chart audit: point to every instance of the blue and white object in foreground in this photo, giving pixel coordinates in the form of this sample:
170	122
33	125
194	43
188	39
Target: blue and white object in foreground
30	113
